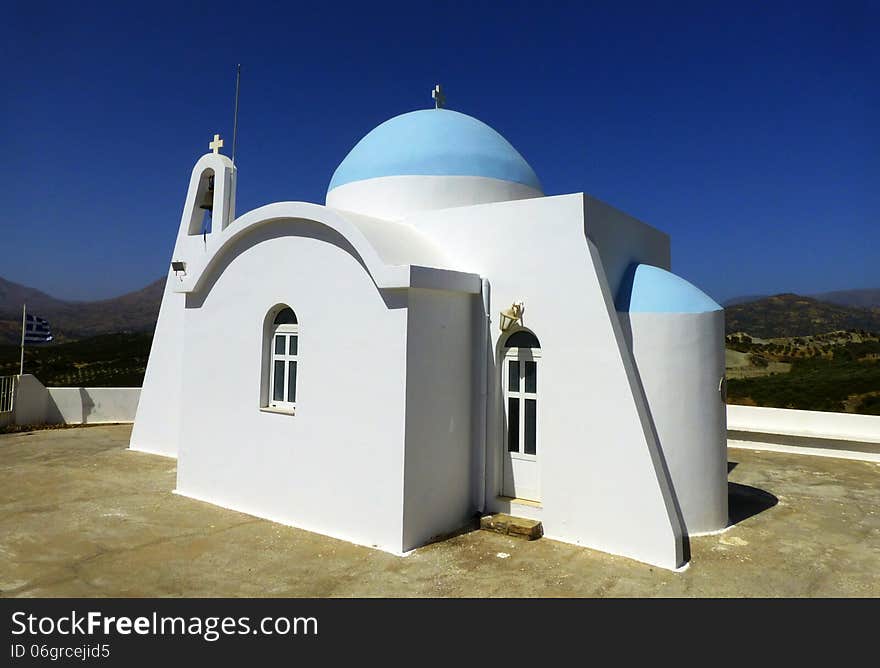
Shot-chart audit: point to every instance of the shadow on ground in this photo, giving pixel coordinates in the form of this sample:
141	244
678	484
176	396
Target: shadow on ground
744	502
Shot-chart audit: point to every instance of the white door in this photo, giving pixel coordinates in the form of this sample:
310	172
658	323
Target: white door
521	470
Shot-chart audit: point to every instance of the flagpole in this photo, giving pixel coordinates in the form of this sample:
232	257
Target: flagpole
21	366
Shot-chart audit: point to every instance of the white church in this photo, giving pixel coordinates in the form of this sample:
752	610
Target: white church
438	340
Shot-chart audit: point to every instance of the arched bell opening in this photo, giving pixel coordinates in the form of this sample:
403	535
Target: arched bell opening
201	220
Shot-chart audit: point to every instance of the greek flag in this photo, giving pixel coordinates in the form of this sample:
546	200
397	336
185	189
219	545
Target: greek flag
36	330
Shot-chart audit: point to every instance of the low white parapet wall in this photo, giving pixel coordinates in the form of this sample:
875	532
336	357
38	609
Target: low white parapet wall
90	405
845	435
35	404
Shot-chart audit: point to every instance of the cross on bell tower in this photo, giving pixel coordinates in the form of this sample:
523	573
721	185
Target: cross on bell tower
439	97
216	145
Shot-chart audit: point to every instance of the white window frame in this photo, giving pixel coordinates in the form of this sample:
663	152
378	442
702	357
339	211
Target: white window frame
521	355
287	331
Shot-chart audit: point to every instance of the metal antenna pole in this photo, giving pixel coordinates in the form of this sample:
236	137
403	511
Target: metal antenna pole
235	119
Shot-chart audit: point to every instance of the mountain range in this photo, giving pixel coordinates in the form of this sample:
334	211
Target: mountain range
863	298
132	312
789	315
761	316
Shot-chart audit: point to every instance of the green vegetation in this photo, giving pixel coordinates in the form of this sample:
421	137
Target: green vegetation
840	378
110	360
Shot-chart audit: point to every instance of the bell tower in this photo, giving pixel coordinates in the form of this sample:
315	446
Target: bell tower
210	201
209	208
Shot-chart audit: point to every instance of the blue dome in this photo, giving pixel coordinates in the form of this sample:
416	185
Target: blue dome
434	142
649	289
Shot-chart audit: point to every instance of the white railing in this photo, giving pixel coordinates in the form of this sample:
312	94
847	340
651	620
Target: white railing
7	393
845	435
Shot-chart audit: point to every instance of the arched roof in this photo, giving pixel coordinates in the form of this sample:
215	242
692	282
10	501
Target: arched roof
395	255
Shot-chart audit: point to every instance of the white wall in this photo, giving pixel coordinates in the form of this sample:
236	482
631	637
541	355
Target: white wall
31	400
844	435
36	404
336	467
438	466
156	425
91	405
603	485
680	360
393	197
623	240
819	424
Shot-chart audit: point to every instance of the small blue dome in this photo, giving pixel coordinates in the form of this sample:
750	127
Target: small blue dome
649	289
434	142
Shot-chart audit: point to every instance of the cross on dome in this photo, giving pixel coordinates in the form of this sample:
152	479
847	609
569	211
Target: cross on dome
439	97
216	145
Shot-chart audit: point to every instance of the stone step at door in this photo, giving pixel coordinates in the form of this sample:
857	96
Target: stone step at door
517	527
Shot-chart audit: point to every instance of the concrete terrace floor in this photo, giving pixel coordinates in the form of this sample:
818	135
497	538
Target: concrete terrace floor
83	516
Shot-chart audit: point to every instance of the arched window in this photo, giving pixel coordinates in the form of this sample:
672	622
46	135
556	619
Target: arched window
284	347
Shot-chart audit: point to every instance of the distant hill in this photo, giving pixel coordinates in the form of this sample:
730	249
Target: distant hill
867	298
796	315
132	312
733	301
863	298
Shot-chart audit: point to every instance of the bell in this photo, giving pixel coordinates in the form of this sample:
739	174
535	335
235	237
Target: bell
207	202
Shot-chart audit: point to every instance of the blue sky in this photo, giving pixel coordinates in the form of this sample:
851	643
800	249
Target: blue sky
748	132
